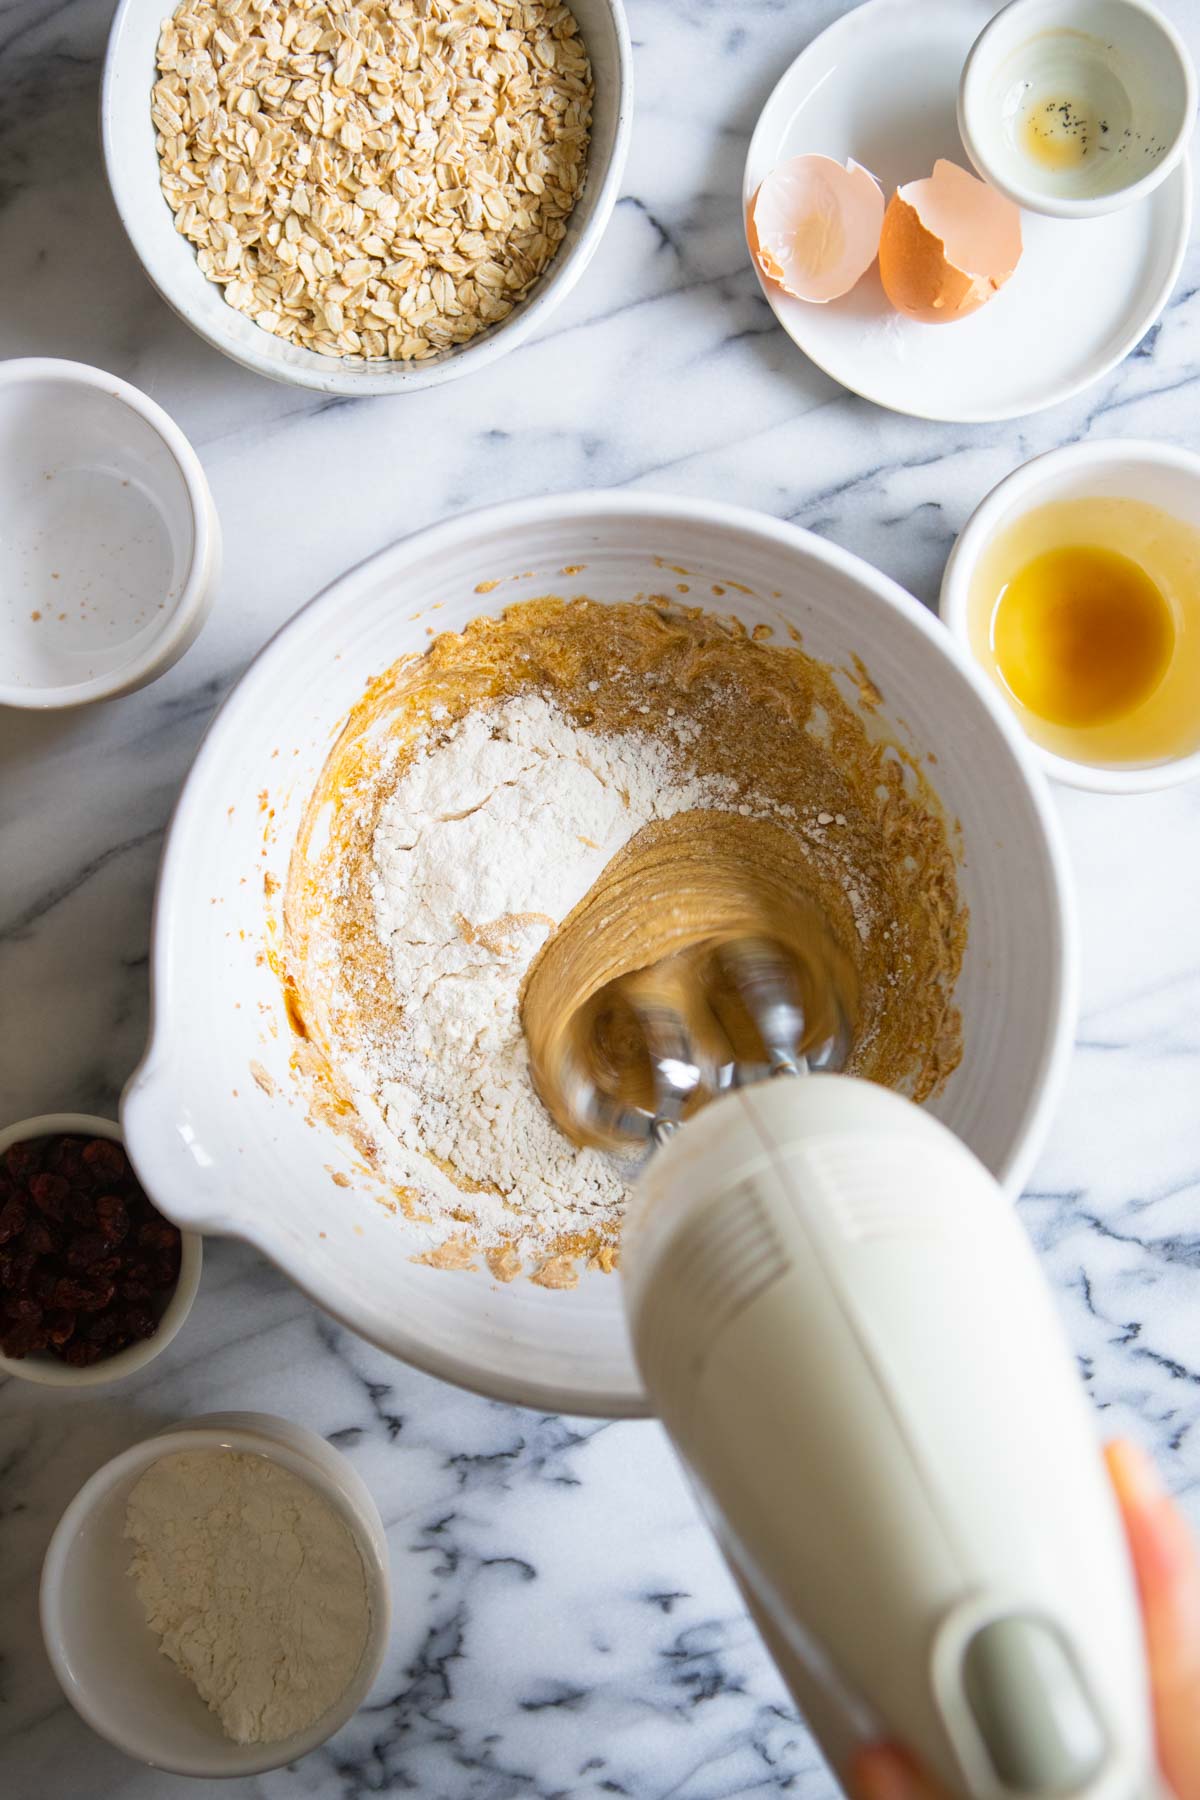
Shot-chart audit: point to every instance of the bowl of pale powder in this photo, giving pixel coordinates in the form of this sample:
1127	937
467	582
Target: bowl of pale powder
214	1601
414	791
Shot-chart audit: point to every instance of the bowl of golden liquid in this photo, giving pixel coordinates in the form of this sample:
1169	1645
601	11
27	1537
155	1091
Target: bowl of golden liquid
1076	586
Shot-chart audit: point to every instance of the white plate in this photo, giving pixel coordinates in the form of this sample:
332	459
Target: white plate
881	85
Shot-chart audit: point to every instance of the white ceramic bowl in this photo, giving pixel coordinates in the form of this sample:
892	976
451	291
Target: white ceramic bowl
132	162
47	1370
1121	68
108	1662
112	548
251	1165
1158	474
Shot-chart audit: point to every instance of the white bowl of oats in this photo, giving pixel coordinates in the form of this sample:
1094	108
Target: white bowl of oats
357	200
394	822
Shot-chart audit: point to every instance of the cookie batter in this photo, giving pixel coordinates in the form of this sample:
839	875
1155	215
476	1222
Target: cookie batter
840	837
659	913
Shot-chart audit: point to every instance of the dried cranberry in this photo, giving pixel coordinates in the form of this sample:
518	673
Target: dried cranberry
38	1238
22	1160
164	1271
157	1234
23	1339
49	1193
22	1306
79	1209
80	1353
66	1158
103	1327
13	1215
60	1328
44	1280
103	1156
138	1322
70	1295
112	1217
97	1295
88	1248
18	1266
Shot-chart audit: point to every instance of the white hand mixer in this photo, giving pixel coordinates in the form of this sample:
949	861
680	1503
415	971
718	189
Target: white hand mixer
846	1333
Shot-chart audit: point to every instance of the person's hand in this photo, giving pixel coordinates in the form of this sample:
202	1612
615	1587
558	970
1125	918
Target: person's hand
1167	1566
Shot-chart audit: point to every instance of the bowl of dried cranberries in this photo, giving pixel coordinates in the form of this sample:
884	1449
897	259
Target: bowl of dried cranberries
94	1281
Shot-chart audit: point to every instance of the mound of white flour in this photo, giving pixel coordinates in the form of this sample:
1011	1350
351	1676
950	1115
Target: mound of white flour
491	837
253	1586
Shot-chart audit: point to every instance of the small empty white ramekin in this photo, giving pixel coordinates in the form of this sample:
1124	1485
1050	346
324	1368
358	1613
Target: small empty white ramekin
1157	474
1120	69
51	1371
105	1656
111	543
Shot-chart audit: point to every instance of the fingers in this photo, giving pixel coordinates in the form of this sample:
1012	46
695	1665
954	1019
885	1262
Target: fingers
1167	1568
885	1772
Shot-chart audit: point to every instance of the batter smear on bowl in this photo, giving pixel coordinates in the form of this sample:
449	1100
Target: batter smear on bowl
484	793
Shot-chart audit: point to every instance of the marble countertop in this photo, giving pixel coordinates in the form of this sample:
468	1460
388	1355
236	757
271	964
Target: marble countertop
563	1623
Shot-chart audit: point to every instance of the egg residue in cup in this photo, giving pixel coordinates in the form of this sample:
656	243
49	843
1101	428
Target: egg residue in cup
813	226
948	244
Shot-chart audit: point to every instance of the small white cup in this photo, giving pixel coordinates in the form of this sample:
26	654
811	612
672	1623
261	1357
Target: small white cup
1156	474
1126	82
111	544
107	1660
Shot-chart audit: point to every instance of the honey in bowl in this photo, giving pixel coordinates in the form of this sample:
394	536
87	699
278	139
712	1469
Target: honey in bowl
1081	635
1087	613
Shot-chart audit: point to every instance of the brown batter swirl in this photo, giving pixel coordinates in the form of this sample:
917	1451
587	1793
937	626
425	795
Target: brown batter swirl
660	912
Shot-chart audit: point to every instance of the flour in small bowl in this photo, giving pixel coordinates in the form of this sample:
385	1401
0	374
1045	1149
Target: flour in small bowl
492	835
253	1586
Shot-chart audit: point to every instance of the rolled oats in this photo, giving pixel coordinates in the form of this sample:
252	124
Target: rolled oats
385	179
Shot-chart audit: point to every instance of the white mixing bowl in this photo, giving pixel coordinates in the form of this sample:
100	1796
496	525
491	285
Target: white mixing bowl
229	1149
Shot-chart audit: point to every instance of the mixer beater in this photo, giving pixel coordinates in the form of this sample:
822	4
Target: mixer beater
727	1016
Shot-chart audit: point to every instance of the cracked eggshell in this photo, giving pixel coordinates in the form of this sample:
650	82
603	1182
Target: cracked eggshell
813	226
948	244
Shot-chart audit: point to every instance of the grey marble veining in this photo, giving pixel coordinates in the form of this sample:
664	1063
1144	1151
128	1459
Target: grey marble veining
563	1624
